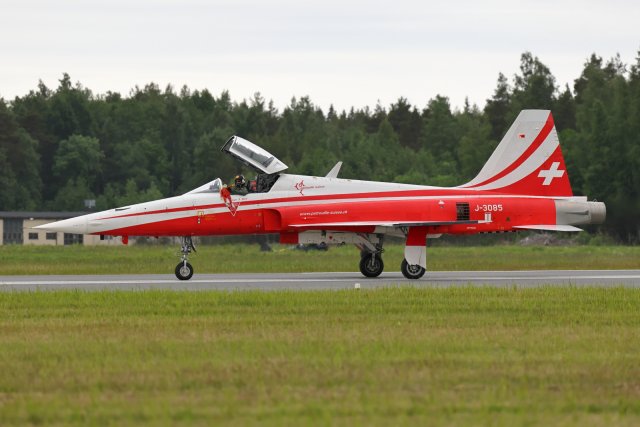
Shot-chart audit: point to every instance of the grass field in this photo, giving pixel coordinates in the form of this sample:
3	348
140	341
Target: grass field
247	258
397	356
403	356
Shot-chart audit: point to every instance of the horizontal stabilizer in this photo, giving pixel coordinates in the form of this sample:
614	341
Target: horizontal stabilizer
549	227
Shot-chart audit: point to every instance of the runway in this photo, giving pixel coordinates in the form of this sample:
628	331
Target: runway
322	281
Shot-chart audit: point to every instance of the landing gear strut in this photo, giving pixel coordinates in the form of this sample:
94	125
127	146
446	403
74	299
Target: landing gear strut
184	270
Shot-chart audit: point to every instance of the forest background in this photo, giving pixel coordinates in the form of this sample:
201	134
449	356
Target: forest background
60	147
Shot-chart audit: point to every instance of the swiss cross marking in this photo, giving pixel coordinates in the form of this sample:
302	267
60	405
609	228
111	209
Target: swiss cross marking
551	173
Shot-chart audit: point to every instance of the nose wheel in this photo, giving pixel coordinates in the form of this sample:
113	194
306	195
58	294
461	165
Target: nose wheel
184	270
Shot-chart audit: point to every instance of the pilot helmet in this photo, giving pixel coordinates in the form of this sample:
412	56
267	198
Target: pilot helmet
239	180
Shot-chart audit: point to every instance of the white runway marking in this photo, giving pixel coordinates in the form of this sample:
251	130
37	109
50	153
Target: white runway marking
328	280
153	282
315	281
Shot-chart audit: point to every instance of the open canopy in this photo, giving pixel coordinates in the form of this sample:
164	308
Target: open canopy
252	155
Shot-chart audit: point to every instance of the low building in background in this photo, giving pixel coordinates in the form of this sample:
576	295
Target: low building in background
18	229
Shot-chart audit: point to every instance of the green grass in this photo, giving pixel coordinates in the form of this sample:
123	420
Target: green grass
401	356
247	258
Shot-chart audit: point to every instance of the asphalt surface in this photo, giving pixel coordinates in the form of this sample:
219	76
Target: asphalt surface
315	281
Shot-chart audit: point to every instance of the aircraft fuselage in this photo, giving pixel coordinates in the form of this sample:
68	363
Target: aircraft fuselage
298	203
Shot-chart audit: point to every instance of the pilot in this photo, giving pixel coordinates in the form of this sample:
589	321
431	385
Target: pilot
239	186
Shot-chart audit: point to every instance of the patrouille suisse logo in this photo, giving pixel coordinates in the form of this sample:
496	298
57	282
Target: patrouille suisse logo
301	187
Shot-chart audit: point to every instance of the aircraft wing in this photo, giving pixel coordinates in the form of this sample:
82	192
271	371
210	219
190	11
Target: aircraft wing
551	227
383	224
544	227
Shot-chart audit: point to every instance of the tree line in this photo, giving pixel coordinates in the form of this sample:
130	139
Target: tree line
60	147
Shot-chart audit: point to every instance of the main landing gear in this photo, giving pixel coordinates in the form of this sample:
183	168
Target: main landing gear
371	264
184	270
411	271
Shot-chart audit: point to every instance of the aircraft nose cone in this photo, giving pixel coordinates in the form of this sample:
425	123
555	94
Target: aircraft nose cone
73	225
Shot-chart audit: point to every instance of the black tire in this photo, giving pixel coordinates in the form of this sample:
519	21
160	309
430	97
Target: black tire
411	271
184	271
371	265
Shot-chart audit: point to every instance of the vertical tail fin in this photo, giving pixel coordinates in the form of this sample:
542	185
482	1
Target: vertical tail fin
528	160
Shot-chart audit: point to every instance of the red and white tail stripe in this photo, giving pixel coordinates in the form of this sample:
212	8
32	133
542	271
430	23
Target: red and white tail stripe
528	160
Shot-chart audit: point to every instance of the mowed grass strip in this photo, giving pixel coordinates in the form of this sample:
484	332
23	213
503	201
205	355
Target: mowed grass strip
396	356
239	258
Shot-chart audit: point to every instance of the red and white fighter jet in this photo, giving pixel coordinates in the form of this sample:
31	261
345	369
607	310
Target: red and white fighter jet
523	186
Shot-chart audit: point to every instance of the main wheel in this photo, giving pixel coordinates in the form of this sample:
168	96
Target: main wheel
184	271
371	265
411	271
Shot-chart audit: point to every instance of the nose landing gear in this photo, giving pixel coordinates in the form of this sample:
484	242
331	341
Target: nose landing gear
184	270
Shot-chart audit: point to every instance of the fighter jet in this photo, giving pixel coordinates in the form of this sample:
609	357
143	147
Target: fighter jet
523	186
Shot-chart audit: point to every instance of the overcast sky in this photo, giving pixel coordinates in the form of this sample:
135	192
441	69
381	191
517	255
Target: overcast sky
345	53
